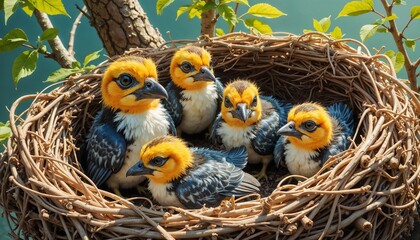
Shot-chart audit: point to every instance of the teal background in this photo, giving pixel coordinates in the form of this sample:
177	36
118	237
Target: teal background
300	15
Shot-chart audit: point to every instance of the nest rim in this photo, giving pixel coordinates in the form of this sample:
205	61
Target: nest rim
22	162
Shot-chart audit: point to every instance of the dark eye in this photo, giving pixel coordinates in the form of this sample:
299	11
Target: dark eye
228	103
186	67
254	102
309	126
158	161
125	81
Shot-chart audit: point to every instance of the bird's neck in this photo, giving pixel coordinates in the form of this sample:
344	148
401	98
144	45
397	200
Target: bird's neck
143	106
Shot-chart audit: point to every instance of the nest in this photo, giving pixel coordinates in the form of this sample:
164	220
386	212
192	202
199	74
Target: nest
366	192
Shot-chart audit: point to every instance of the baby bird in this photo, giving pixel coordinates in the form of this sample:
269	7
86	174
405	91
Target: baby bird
312	135
194	94
192	177
130	116
251	120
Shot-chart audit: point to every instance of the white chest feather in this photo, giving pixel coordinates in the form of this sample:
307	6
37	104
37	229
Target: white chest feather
236	137
142	128
199	110
299	161
162	195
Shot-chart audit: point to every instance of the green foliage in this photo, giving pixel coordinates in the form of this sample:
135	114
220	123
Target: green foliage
24	65
415	12
397	59
228	11
5	131
356	8
76	68
50	7
13	39
323	26
368	30
49	34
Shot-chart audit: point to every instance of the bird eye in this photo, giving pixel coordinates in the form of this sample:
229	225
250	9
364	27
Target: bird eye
125	80
228	103
186	67
158	161
254	102
309	126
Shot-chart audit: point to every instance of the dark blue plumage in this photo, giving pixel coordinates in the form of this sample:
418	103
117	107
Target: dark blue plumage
266	129
105	148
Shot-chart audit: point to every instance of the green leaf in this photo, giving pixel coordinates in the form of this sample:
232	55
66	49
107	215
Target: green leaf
60	74
410	43
181	10
27	7
397	59
389	18
219	32
381	30
50	7
323	25
398	62
400	2
336	33
368	31
307	30
49	34
24	65
228	14
5	131
9	9
265	10
1	4
89	58
370	2
161	4
258	25
208	6
244	2
415	12
13	39
355	8
76	65
194	12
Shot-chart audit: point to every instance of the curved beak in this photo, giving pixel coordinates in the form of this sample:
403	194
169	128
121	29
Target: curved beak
139	169
241	112
151	90
289	130
204	75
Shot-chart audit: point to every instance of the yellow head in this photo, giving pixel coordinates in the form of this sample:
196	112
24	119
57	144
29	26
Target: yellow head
241	104
163	159
130	85
309	126
190	68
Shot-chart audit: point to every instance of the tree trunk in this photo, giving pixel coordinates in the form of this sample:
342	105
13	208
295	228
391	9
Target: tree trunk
121	25
208	21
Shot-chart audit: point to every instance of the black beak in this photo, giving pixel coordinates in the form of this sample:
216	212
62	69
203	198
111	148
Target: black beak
289	130
204	75
241	112
151	90
139	169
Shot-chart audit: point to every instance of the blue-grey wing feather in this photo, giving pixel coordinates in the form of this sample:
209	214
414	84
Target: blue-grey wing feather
266	129
214	137
173	104
105	152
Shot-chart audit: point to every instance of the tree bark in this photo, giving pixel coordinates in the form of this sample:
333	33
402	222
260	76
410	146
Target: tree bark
121	25
208	21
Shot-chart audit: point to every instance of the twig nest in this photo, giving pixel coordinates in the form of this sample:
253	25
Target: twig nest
371	187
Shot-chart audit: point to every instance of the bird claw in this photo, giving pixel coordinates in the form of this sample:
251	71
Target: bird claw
260	175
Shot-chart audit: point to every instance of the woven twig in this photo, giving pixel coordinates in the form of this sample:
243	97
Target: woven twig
368	191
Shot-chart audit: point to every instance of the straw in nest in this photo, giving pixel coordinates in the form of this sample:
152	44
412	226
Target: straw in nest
367	192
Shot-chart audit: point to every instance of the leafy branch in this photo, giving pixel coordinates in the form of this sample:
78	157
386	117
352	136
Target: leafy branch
25	64
210	11
386	23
